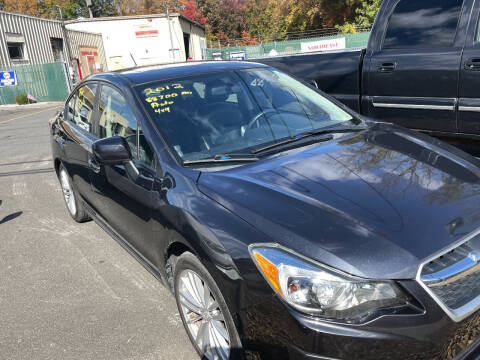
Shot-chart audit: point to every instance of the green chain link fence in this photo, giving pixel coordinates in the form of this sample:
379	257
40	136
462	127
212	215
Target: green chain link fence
286	47
45	82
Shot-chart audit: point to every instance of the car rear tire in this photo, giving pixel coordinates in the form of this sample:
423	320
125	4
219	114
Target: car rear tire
71	197
203	310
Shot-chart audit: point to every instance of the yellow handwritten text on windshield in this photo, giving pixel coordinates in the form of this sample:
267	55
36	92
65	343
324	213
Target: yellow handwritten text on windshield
162	98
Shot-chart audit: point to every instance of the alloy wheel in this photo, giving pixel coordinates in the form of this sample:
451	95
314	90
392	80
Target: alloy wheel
203	317
68	192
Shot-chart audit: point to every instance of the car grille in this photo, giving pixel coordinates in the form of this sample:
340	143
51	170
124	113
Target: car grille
453	278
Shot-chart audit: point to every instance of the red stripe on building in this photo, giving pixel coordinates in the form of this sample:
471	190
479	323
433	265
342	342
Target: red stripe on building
146	32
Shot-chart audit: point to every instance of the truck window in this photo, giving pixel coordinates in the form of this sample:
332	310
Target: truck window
423	24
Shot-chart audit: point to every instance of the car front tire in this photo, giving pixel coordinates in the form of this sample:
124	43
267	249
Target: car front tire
203	310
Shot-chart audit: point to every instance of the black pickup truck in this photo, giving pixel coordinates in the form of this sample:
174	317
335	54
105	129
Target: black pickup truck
421	68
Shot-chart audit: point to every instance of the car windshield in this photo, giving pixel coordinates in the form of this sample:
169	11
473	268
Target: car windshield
233	112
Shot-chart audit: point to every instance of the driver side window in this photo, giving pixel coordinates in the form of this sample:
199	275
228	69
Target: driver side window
117	119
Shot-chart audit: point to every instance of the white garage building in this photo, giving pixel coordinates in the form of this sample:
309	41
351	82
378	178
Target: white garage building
145	39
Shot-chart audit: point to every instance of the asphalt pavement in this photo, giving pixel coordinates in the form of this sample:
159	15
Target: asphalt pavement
68	290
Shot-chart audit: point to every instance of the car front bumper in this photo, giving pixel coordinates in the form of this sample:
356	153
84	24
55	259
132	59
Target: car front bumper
276	331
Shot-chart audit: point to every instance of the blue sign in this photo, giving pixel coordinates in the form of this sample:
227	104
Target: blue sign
8	78
237	55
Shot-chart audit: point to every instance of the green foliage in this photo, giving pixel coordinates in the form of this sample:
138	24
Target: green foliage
367	12
245	21
268	20
70	9
258	16
21	99
348	28
103	8
225	18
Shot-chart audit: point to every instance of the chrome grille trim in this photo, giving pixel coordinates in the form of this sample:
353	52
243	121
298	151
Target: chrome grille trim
469	264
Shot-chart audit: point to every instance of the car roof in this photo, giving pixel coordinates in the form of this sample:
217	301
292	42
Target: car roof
140	75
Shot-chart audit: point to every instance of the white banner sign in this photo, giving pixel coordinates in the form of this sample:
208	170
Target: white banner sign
323	45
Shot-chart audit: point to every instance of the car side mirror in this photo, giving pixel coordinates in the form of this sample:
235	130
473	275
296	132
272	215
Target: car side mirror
111	151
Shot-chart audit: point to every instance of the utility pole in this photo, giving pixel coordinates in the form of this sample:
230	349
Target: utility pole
67	60
89	6
172	50
60	11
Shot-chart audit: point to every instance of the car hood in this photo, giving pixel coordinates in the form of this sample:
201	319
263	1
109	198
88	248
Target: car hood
373	204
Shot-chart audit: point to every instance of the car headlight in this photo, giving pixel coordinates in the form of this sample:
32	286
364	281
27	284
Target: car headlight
321	291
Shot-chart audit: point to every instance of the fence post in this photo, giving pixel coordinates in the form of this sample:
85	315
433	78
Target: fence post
65	73
69	49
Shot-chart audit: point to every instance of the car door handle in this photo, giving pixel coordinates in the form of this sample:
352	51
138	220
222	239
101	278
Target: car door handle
473	64
387	66
94	166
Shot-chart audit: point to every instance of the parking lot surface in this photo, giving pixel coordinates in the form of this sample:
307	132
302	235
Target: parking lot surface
68	290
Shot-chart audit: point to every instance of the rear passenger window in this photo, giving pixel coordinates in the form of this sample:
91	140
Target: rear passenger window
117	119
81	110
423	24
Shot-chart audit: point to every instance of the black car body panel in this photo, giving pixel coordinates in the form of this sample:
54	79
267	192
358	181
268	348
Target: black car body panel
373	190
430	88
373	203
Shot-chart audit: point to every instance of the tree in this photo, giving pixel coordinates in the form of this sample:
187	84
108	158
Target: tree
247	39
273	19
128	7
102	8
258	17
28	7
367	12
232	18
241	21
209	10
317	14
191	11
70	9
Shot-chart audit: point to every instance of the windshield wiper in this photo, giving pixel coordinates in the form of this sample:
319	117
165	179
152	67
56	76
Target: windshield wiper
227	158
308	134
